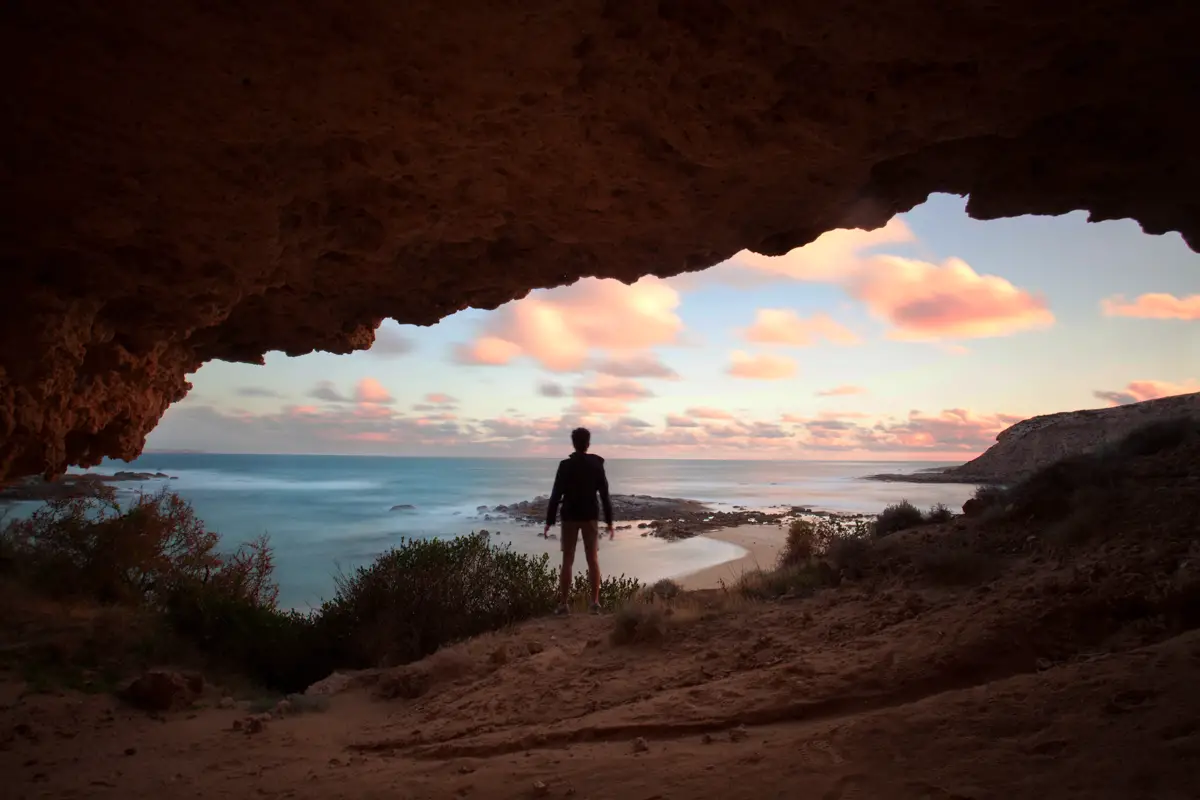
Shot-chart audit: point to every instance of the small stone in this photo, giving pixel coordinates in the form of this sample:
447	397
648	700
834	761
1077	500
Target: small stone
738	734
640	745
254	725
131	751
706	738
540	788
226	703
237	725
535	647
500	655
283	708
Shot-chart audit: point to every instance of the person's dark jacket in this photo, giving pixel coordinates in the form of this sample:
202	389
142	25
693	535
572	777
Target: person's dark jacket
576	484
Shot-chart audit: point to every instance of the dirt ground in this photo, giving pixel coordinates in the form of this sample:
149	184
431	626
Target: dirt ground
970	661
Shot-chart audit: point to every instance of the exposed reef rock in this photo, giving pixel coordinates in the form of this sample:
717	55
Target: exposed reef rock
1040	441
72	485
203	180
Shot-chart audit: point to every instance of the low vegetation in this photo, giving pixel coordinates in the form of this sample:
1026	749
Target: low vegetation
156	559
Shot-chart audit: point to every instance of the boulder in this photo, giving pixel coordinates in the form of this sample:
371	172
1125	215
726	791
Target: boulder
163	690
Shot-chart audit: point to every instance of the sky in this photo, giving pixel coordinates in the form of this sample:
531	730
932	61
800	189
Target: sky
920	340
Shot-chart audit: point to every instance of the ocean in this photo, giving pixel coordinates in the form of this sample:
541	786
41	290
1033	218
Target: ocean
325	513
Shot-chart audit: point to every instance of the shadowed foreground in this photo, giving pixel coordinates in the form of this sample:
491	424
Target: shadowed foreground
1045	649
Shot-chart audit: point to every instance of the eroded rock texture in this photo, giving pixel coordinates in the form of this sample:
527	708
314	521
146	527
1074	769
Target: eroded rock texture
207	179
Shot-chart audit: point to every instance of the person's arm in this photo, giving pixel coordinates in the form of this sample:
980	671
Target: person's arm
605	500
555	498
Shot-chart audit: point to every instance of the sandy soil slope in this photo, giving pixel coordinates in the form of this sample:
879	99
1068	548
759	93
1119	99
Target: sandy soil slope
969	661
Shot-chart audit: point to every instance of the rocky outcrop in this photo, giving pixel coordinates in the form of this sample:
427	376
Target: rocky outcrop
1040	441
73	485
191	180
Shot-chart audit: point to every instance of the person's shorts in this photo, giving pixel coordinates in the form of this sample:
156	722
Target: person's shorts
590	528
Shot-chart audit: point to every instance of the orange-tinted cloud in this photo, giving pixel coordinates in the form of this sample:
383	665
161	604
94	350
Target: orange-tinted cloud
1156	305
390	342
927	302
761	367
841	391
784	326
560	328
953	430
1139	391
370	391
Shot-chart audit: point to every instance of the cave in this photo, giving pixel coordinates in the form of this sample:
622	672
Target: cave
208	179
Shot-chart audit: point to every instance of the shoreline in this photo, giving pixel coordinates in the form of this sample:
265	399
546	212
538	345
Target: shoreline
761	545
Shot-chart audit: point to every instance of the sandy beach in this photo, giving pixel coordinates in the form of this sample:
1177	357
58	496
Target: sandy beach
762	544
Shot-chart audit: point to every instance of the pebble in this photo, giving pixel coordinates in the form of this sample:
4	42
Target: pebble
640	745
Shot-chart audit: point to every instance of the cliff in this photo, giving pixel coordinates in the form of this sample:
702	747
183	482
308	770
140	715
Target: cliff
1039	441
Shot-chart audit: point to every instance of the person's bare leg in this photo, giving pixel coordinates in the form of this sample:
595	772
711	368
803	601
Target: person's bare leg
564	578
593	562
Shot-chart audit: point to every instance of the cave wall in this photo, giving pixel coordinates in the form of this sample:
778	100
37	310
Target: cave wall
211	179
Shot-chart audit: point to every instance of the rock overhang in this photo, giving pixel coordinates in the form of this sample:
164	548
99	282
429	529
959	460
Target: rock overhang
207	180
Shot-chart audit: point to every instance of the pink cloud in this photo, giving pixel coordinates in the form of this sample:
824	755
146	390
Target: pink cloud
679	421
560	328
784	326
440	399
831	257
370	391
762	367
1156	305
952	431
608	395
927	302
841	391
487	351
1139	391
704	412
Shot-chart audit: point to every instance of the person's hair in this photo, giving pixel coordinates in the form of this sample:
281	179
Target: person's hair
581	438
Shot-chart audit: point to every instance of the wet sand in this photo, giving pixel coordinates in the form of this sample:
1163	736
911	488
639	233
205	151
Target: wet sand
761	544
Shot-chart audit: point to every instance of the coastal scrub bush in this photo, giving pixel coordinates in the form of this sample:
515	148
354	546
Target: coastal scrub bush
638	622
939	513
430	592
898	517
1153	438
798	580
801	543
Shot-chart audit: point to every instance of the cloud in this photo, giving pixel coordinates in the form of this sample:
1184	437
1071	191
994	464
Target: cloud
927	302
762	367
325	390
639	365
437	401
845	390
560	328
487	351
953	430
551	389
922	301
608	395
1157	305
390	342
256	391
703	412
606	386
370	391
829	258
678	421
1139	391
784	326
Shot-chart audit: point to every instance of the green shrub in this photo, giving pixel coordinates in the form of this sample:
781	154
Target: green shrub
799	580
156	556
801	544
1153	438
898	517
637	622
666	589
939	513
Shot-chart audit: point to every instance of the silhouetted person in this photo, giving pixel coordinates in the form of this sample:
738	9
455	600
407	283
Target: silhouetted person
576	484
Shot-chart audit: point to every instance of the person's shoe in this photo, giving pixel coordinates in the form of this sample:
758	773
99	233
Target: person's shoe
562	610
596	608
